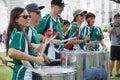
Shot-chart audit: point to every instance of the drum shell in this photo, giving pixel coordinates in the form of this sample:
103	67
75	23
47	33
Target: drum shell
83	60
56	73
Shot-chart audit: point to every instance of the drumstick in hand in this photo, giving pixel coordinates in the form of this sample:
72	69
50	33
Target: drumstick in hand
48	34
77	37
56	35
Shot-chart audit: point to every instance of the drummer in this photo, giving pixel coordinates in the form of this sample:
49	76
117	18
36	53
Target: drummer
52	21
34	11
79	16
95	32
18	45
65	26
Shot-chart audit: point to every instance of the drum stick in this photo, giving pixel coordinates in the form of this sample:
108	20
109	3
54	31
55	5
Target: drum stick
75	33
77	37
56	35
43	48
56	50
48	34
68	39
10	62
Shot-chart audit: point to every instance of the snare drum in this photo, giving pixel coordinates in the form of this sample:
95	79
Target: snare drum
83	60
55	73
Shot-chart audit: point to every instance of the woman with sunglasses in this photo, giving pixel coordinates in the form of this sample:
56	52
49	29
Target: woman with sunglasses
77	44
19	47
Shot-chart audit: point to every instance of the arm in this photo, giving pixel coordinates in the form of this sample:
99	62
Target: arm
37	47
75	42
112	29
102	43
42	37
16	54
113	26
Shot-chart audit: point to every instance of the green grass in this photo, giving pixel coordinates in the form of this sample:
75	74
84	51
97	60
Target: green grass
5	71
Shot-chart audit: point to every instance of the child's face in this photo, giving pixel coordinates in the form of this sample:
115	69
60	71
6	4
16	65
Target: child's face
116	18
92	21
65	27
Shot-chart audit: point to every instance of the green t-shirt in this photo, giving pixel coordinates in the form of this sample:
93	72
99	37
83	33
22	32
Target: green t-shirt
45	23
17	41
32	34
72	33
94	34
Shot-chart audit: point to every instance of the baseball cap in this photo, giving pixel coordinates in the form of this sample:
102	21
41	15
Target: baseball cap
33	6
58	2
79	11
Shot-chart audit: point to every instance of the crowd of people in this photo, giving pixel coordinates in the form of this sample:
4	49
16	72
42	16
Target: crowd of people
28	35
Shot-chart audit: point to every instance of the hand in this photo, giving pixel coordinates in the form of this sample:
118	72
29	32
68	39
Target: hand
116	23
46	59
4	61
38	49
39	60
87	38
119	42
104	48
89	46
57	42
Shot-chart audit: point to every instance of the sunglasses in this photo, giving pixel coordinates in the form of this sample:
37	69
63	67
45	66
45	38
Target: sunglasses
61	6
37	11
25	16
82	14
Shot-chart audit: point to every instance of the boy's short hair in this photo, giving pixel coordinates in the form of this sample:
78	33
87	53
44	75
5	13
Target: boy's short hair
88	15
66	22
117	15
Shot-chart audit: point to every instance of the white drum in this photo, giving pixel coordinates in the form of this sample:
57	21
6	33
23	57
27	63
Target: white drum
55	73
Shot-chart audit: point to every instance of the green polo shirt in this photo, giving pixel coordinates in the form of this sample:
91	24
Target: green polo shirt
94	32
17	41
33	35
45	24
34	38
72	34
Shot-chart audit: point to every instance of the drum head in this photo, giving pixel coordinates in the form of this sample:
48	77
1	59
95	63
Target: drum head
53	70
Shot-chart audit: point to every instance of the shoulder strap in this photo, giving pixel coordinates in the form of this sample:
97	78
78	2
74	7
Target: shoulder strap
30	34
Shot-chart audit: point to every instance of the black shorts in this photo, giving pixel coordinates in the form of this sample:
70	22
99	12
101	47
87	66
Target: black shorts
115	53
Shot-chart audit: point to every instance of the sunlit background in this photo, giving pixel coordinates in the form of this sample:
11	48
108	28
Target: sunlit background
104	9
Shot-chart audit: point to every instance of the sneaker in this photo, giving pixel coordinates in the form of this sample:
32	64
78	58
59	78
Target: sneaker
117	75
111	76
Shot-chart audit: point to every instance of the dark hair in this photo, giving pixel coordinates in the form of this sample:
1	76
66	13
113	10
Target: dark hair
117	15
74	19
66	22
13	24
88	15
81	14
